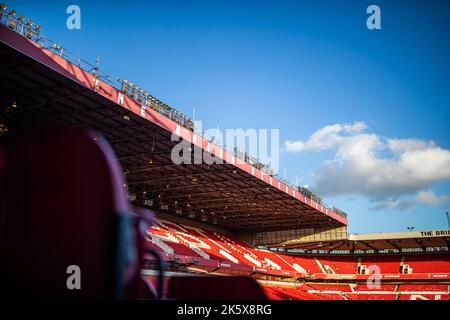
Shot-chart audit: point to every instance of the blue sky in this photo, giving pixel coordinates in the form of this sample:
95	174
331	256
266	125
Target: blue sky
297	66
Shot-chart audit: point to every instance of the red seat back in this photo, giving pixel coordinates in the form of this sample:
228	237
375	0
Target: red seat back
62	203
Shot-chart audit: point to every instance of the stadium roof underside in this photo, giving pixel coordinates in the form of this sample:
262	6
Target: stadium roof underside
51	92
378	241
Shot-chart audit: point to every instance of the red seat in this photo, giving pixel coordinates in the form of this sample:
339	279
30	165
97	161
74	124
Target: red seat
63	203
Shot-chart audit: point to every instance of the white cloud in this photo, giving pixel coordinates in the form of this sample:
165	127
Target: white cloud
325	138
421	198
428	197
378	168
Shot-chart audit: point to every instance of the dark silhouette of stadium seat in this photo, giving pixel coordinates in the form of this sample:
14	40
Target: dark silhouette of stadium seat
214	288
63	204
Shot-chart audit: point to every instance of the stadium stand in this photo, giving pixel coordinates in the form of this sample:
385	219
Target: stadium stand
316	291
225	248
221	247
94	200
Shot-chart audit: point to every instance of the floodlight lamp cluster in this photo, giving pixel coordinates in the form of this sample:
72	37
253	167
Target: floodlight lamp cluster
145	98
18	22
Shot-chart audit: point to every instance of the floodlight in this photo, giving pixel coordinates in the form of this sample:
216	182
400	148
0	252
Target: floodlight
56	46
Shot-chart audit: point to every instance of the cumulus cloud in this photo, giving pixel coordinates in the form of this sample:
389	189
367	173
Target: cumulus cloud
421	198
428	197
381	169
325	138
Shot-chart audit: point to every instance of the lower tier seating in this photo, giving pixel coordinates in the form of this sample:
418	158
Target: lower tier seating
319	291
198	242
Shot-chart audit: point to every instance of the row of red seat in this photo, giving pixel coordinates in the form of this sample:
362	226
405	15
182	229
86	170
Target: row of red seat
315	291
424	287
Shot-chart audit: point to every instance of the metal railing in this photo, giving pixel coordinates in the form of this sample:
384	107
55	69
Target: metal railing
338	211
244	156
309	194
31	31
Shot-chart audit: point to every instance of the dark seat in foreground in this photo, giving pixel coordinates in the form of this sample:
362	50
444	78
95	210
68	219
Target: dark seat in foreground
62	204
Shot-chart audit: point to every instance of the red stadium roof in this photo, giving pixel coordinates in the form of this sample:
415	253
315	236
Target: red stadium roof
51	91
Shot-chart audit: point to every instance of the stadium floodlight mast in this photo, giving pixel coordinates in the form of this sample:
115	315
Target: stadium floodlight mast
448	219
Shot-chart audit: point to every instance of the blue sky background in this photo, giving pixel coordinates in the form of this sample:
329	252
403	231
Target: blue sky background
293	65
